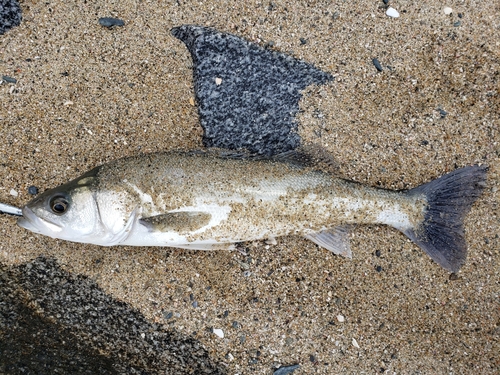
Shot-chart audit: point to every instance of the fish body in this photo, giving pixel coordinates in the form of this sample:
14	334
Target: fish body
205	201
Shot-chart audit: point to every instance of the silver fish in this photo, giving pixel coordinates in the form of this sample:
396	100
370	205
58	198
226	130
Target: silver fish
204	201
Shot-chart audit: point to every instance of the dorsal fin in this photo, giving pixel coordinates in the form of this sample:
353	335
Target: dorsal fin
306	156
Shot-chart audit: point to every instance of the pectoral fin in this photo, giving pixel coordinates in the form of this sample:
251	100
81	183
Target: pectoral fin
335	239
183	222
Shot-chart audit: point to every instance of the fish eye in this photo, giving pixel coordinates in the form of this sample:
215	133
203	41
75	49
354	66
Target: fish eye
59	204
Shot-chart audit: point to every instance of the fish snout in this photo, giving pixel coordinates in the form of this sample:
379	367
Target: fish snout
27	219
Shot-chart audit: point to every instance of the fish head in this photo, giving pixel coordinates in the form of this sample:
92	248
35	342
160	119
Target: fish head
67	212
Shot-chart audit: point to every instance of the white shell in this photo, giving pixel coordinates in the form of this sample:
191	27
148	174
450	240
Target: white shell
219	332
355	343
391	12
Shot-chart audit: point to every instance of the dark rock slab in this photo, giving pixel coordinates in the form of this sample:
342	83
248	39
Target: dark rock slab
247	95
54	322
10	15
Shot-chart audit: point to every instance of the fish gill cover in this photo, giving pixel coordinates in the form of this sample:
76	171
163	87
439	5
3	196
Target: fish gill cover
247	95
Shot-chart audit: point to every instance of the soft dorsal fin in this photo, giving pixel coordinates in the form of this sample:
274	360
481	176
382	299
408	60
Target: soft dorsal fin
179	222
335	239
306	156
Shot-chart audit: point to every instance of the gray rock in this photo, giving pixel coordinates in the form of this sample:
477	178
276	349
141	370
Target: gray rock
284	370
10	15
77	322
9	79
377	64
109	22
247	95
33	190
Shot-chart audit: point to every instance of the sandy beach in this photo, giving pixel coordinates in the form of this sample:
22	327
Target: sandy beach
87	94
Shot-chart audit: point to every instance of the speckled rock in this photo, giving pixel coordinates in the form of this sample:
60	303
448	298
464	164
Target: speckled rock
247	95
10	15
55	322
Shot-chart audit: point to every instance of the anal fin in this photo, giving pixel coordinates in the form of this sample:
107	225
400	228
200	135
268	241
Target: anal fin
335	239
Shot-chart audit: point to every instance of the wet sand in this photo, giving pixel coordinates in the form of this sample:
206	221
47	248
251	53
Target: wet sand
86	94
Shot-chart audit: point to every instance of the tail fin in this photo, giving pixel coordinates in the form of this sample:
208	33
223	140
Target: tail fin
449	198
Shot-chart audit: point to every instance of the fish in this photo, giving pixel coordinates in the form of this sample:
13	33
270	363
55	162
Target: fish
214	200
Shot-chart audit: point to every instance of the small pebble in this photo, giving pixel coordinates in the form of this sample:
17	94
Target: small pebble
230	357
218	81
9	79
355	343
243	338
447	11
386	2
303	41
457	24
391	12
377	253
244	266
443	113
168	315
285	370
33	190
109	22
195	304
218	332
341	318
377	64
378	269
460	15
13	193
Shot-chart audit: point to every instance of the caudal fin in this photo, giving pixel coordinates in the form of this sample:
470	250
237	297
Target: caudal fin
449	198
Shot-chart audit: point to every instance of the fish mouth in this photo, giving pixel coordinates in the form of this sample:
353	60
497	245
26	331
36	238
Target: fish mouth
32	222
26	221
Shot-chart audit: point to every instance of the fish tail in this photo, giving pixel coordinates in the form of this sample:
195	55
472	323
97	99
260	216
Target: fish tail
449	199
